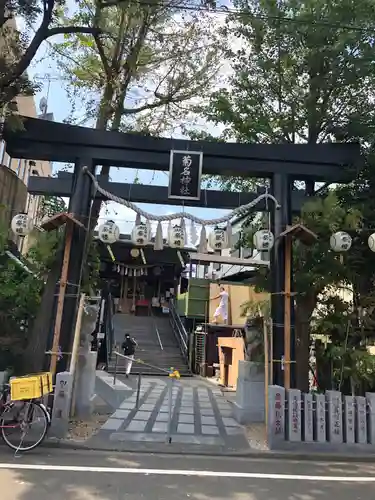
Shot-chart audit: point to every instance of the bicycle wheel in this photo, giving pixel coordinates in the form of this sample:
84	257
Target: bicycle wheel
24	425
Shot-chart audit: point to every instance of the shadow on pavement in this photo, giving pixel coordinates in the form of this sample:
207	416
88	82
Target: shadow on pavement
71	485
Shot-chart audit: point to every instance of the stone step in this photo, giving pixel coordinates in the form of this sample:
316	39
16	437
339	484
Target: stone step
142	328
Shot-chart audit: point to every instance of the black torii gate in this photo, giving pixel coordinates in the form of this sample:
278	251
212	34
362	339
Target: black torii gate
281	163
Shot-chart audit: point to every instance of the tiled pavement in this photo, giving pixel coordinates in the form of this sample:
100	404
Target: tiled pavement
201	416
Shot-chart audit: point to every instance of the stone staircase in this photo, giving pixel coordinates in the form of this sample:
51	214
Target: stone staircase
157	345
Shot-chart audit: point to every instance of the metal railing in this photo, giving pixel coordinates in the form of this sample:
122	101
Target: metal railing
179	330
156	329
109	328
136	361
139	383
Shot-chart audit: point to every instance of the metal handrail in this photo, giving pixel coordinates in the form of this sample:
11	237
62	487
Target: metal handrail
109	327
138	361
181	326
178	329
138	397
156	329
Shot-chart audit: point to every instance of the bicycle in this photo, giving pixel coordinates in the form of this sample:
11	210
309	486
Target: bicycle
22	416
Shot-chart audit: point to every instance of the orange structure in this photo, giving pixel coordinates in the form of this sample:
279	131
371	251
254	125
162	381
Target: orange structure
231	351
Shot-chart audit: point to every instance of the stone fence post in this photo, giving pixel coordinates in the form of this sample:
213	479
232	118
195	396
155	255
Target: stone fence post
276	415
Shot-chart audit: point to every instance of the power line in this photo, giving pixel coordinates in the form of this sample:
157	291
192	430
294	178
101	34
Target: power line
240	13
226	11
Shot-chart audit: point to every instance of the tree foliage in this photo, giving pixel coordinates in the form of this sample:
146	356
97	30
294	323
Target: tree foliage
50	206
24	329
21	288
153	61
43	21
145	75
303	72
298	72
316	269
346	337
19	300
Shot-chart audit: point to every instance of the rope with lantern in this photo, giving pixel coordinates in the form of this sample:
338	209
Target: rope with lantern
141	235
218	239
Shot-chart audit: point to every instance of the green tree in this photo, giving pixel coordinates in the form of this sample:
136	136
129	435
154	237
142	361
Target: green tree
301	74
345	357
50	206
155	61
20	289
316	269
45	255
42	20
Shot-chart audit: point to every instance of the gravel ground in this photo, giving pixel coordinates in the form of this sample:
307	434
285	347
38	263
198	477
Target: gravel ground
257	436
81	430
256	433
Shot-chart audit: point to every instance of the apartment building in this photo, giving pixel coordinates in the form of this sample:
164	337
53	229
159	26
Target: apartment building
23	169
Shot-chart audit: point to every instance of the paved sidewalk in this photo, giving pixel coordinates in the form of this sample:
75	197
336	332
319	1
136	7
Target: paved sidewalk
201	416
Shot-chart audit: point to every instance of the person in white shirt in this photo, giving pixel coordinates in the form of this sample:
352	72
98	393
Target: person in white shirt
222	309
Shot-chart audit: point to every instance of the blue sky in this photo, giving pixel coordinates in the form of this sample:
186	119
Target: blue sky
59	105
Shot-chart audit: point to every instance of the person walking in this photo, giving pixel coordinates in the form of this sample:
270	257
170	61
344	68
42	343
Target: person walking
129	346
222	309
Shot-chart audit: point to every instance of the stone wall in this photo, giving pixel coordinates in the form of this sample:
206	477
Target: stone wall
13	195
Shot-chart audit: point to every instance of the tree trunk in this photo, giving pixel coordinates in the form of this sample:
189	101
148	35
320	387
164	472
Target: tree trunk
117	98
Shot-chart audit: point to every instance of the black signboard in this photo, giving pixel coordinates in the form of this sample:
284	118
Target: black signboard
185	171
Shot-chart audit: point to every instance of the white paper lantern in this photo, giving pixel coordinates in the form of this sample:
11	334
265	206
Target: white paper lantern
371	242
135	253
176	237
340	241
22	225
109	232
263	240
218	239
140	235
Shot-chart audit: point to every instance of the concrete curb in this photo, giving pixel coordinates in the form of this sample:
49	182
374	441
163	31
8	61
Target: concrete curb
112	394
262	455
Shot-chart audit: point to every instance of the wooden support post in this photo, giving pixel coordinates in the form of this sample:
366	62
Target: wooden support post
77	333
266	368
134	292
61	298
73	359
122	288
271	351
287	318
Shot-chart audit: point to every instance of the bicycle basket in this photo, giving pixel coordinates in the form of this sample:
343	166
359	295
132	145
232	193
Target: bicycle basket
30	386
